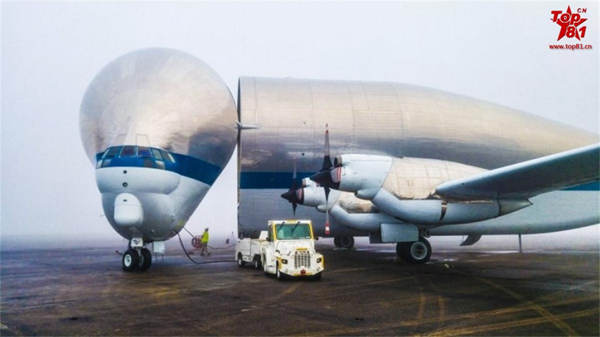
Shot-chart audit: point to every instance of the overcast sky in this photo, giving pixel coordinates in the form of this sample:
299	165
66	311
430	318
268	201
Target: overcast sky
50	52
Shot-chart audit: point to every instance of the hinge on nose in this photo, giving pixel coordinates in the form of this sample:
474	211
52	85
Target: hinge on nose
241	126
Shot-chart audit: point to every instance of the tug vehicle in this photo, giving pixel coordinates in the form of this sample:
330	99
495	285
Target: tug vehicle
285	249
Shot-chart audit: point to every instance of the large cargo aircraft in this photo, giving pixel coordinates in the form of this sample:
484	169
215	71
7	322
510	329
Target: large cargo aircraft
159	125
411	162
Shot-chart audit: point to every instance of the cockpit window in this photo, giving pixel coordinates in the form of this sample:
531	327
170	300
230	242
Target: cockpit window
156	154
167	156
144	152
128	151
143	156
112	152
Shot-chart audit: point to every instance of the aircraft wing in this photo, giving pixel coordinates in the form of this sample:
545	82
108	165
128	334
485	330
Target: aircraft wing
529	178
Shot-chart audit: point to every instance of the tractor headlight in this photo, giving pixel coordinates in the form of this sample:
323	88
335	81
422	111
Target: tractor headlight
284	261
319	259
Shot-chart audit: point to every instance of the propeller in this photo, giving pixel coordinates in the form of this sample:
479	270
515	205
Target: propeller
294	194
323	177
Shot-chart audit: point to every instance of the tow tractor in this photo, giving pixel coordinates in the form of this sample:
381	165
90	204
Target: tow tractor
285	249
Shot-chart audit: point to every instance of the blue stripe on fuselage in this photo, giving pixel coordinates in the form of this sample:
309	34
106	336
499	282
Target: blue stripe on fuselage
273	180
283	180
187	166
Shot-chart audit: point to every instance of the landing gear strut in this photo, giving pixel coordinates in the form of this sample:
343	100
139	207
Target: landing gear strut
343	241
136	258
416	252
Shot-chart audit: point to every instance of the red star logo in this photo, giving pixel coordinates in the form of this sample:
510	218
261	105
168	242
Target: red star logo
566	20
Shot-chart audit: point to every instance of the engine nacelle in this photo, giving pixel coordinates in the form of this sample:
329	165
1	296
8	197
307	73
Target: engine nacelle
360	174
314	196
441	212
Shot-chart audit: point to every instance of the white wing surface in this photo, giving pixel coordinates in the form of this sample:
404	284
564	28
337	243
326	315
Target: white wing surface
527	179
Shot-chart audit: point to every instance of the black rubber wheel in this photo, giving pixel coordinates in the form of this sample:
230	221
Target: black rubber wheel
130	260
347	242
278	273
401	249
256	262
240	261
145	259
418	252
336	242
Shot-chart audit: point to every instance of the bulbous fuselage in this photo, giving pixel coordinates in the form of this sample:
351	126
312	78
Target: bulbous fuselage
159	126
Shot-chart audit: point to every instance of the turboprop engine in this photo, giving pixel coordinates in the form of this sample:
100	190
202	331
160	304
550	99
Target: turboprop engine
405	188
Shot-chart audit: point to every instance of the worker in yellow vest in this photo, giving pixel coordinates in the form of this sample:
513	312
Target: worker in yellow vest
204	240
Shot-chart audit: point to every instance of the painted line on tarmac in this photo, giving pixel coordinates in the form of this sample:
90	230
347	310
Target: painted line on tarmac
511	324
564	327
475	315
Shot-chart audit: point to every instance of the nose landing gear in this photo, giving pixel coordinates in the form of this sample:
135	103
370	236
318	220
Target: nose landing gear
130	260
136	258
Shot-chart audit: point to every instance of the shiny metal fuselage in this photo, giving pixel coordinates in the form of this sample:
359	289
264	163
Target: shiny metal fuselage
373	118
163	98
160	98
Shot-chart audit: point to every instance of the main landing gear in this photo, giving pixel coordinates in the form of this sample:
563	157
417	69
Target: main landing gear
416	252
136	258
343	242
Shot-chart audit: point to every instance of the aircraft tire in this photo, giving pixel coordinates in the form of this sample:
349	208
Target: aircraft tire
418	252
145	259
130	260
336	242
347	242
402	249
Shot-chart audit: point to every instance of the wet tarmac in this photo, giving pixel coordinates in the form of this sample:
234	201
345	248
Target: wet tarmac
363	292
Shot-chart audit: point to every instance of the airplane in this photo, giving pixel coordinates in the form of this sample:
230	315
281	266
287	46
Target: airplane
412	162
159	125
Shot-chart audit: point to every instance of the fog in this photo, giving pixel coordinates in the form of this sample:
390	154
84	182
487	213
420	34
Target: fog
51	51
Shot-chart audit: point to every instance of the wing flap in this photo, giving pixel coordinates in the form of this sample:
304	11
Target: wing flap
528	178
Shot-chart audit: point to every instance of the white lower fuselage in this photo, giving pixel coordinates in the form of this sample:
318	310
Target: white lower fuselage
166	200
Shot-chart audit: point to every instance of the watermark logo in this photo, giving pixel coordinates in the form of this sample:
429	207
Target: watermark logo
570	23
571	27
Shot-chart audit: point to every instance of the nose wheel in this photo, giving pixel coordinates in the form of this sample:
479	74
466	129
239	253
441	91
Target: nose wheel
146	259
136	259
130	260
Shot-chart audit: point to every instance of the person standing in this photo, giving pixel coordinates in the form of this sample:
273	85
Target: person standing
204	240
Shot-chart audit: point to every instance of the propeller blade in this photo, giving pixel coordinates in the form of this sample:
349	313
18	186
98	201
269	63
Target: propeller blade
323	177
327	164
293	195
